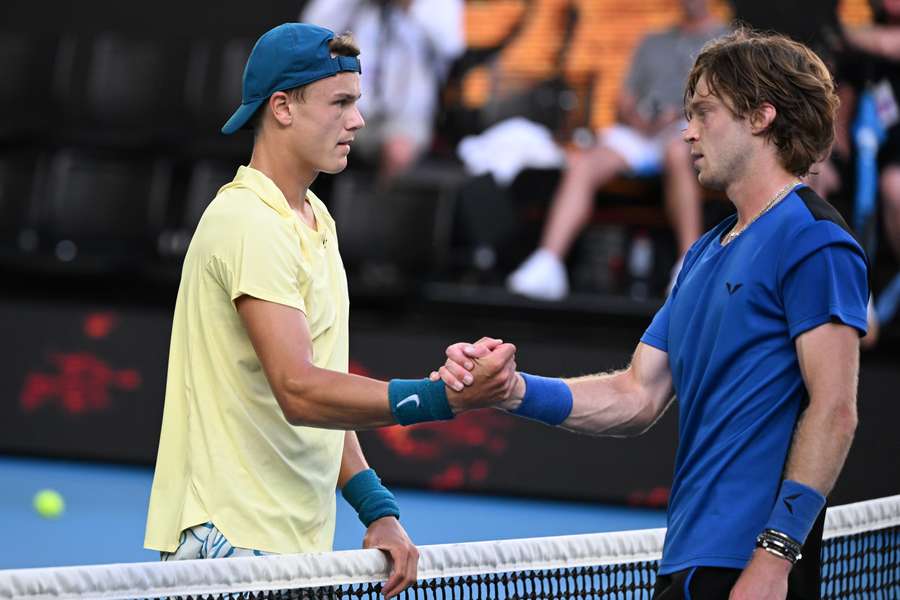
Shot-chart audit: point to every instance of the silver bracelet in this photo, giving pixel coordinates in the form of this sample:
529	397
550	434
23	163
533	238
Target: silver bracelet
779	544
777	553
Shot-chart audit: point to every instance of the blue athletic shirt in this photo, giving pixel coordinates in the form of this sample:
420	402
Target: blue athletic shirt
729	328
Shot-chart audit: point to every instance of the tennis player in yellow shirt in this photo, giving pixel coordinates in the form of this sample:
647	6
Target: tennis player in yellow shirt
259	413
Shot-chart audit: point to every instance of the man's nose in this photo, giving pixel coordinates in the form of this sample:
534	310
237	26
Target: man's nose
356	121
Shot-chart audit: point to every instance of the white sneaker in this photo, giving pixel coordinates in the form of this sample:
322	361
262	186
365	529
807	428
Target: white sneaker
541	277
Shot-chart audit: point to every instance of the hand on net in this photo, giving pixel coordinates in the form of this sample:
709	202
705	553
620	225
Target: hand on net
388	535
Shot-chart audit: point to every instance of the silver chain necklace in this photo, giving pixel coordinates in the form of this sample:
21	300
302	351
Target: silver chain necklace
729	237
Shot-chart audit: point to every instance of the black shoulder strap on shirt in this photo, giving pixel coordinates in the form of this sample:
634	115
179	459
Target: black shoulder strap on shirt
822	210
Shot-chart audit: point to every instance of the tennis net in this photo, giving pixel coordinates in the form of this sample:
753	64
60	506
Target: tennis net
860	558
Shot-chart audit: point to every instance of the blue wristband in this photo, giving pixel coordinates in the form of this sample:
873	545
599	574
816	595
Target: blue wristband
547	399
796	510
418	400
369	498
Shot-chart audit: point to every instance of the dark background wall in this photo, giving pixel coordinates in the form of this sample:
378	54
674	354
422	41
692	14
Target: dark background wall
87	380
83	374
163	17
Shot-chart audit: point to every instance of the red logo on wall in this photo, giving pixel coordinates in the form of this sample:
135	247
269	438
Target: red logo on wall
82	381
461	450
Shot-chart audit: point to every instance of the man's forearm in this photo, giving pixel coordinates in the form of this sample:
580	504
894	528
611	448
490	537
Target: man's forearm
622	403
610	404
352	459
334	400
821	442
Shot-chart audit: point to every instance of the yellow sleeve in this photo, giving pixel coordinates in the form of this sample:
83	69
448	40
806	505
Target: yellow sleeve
261	261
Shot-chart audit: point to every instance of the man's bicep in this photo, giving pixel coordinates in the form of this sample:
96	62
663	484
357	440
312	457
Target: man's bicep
650	369
829	360
280	336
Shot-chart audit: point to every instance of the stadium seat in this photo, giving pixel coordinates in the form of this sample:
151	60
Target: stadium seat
121	92
98	213
18	173
212	93
387	235
204	181
26	70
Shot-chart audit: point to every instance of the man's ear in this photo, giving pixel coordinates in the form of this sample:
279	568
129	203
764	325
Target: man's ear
279	104
762	118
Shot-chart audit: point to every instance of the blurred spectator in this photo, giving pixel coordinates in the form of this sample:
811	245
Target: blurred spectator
816	24
864	58
873	64
407	48
645	141
812	22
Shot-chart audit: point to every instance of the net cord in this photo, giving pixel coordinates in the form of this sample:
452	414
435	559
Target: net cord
248	574
245	574
850	519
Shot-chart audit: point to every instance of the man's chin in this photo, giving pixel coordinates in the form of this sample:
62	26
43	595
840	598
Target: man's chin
710	183
335	167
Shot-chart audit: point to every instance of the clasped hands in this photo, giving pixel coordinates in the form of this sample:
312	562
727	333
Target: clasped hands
481	375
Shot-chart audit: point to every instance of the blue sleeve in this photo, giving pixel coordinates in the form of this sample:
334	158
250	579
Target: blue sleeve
824	278
657	335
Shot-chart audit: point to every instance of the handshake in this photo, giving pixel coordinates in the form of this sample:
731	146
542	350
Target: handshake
481	375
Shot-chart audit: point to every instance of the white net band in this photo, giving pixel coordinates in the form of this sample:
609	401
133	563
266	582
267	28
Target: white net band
261	574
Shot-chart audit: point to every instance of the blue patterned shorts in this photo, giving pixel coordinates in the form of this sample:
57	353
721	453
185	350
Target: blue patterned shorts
206	541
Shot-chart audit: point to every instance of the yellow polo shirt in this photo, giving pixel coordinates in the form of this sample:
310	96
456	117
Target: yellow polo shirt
226	452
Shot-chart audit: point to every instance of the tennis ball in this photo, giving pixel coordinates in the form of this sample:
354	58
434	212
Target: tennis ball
49	504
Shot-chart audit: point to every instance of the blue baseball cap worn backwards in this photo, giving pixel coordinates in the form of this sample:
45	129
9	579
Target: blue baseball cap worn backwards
288	56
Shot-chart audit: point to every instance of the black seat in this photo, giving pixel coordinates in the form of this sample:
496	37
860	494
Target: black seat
204	181
121	92
212	94
99	213
374	225
27	64
18	175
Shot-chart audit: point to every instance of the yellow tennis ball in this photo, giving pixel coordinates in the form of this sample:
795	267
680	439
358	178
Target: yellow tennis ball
49	504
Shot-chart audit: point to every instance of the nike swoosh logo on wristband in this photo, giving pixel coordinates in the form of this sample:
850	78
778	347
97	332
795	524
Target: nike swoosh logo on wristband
408	399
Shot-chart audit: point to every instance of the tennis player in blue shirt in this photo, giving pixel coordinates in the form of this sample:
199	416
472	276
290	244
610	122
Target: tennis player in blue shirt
759	339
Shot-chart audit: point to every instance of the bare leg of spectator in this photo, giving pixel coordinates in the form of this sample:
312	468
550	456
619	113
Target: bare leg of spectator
574	200
543	275
682	199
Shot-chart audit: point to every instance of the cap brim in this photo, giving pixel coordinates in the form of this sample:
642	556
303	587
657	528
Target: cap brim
241	116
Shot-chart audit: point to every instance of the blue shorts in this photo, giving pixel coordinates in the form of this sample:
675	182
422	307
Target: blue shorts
206	541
